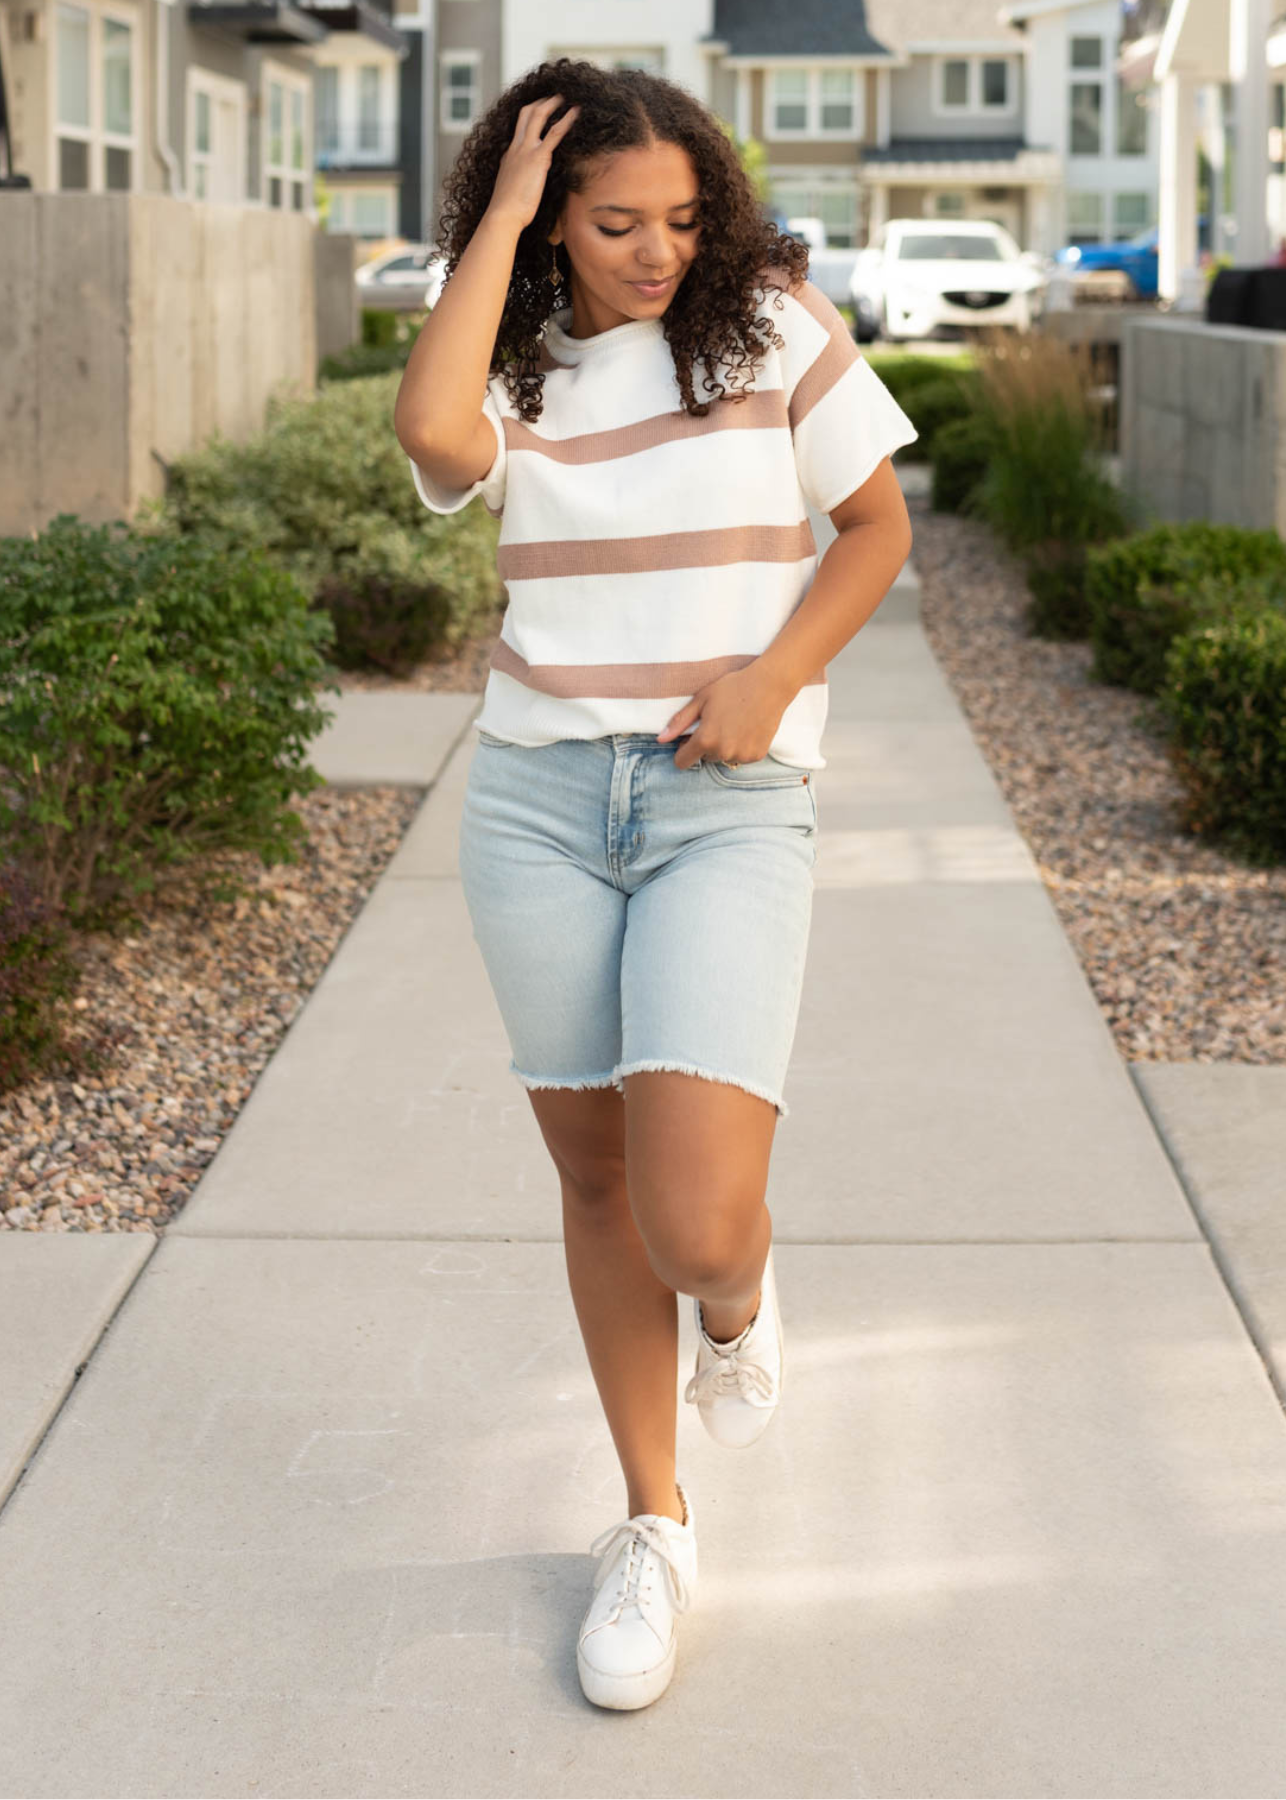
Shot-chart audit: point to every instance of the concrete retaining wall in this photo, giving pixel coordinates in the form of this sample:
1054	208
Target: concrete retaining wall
1203	420
132	328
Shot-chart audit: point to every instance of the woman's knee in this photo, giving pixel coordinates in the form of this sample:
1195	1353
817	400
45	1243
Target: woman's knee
699	1257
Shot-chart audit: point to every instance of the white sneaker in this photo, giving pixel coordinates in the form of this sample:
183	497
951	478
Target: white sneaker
737	1385
628	1639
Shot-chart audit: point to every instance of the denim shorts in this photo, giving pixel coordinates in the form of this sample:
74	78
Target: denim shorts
635	915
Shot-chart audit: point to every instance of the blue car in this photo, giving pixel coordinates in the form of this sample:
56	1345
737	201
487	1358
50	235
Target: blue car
1136	259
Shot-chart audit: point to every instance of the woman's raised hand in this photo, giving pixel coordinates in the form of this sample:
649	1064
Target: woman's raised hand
520	180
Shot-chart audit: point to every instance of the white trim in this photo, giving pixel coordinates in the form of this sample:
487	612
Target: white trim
285	171
812	128
883	108
987	47
98	139
1033	9
742	103
474	59
820	61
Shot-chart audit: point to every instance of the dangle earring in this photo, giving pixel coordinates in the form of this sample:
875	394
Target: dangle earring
554	275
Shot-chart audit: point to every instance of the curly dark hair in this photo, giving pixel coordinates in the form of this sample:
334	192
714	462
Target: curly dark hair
711	317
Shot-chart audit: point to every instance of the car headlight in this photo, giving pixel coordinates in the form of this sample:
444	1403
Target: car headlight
1072	254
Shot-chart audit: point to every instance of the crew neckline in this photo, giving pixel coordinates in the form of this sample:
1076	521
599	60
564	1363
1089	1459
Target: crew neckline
566	348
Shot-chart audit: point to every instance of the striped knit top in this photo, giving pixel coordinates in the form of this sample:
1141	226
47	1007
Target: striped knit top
645	552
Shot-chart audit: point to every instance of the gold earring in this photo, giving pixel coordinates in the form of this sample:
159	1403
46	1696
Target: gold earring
553	274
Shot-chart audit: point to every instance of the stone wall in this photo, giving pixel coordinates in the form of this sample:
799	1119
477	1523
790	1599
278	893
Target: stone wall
1203	420
132	328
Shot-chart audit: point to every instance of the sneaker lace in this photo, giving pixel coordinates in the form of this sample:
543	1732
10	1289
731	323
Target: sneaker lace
730	1374
640	1537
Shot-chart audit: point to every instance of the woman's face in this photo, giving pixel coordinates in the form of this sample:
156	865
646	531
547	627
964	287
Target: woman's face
631	234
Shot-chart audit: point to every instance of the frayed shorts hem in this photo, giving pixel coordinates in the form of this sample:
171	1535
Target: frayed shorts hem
616	1078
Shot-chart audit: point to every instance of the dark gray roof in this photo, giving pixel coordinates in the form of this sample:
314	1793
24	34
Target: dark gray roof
910	150
802	28
853	27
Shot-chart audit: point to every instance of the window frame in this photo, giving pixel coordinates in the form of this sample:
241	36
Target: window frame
813	102
473	58
95	135
975	104
290	81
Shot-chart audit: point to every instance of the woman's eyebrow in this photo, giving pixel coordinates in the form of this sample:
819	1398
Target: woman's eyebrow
607	207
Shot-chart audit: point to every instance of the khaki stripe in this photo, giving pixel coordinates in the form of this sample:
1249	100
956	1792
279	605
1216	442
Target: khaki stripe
620	681
836	355
709	548
756	411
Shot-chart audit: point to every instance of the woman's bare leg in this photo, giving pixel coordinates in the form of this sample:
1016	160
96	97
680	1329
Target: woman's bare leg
628	1316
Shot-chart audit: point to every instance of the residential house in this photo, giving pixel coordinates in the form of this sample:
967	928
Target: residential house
198	98
358	102
1105	126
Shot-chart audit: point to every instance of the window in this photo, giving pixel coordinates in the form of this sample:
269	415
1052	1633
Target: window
1087	118
285	157
938	246
368	107
366	212
649	57
1131	215
813	103
1131	121
1084	218
460	94
955	82
972	84
327	105
94	86
833	202
950	204
837	100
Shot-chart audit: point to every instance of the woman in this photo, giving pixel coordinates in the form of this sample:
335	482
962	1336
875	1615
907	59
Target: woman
639	826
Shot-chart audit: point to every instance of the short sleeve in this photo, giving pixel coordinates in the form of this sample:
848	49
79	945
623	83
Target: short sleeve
843	419
492	485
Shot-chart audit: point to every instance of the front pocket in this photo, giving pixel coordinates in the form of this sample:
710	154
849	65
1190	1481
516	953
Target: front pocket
766	773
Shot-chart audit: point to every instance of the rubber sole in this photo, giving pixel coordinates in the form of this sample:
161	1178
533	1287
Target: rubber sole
625	1693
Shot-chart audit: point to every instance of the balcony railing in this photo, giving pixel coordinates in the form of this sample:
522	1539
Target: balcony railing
356	146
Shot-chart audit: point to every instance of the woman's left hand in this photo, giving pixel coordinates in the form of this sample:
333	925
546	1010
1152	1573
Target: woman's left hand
739	716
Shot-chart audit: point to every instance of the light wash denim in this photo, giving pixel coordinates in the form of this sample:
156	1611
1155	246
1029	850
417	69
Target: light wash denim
635	915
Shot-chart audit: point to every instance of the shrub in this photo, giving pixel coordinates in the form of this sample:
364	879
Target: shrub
326	491
379	327
360	360
931	390
1145	591
1223	699
159	696
1045	479
36	972
961	451
1056	582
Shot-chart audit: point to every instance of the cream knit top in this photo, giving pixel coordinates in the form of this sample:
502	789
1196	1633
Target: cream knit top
646	552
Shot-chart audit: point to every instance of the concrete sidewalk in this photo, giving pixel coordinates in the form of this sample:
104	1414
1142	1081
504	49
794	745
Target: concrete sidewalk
314	1518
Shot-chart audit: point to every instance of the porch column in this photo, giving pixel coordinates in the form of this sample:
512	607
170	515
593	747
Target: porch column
1177	197
1248	70
877	209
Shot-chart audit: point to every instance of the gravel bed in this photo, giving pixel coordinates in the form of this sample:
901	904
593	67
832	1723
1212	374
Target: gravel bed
196	998
1184	947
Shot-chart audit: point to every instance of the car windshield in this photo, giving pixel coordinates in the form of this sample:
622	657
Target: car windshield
947	246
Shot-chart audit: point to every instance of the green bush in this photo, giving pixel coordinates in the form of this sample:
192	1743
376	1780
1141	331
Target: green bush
1144	592
1223	699
360	360
36	973
1056	582
962	449
931	390
159	696
326	492
379	327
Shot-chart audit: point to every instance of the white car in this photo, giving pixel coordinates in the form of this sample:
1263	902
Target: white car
408	275
925	273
